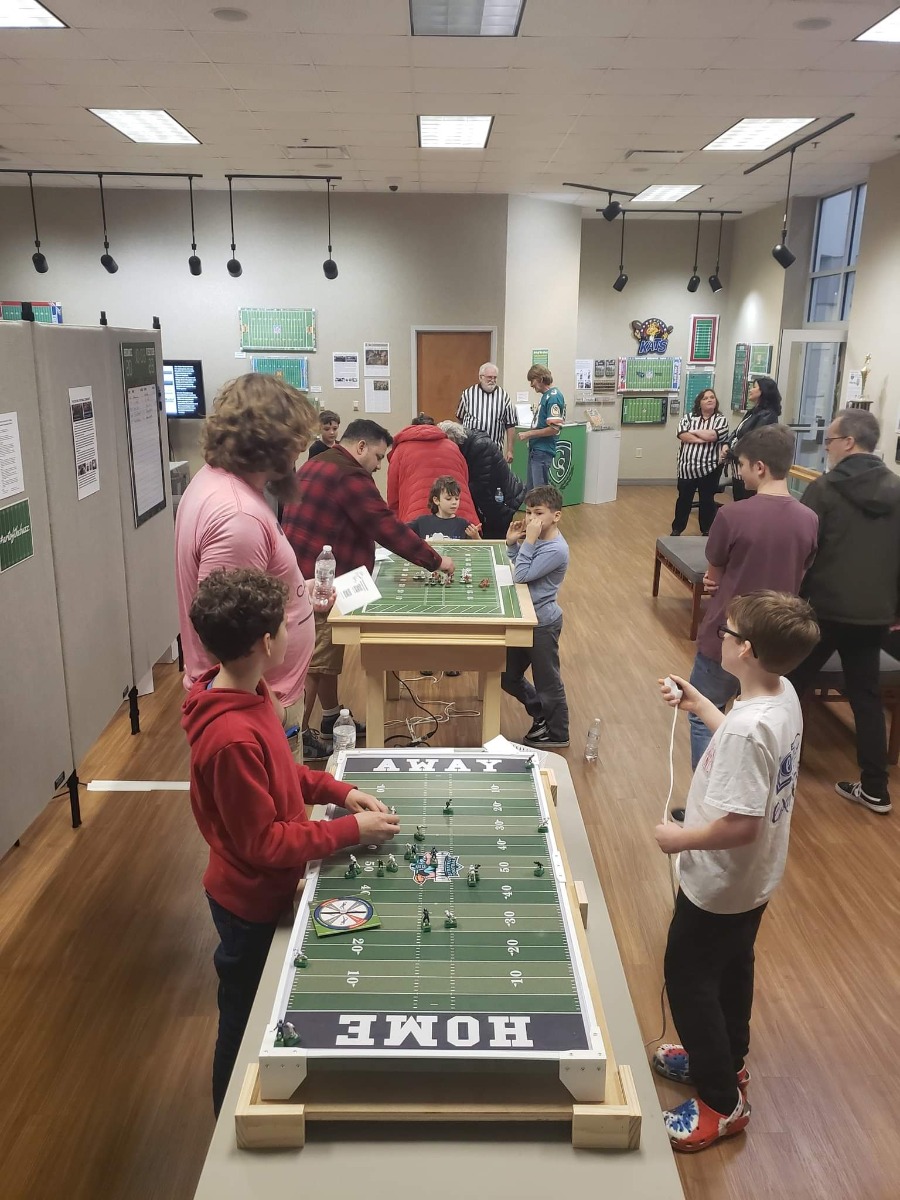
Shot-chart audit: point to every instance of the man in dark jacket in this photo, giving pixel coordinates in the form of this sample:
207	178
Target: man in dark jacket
489	473
854	586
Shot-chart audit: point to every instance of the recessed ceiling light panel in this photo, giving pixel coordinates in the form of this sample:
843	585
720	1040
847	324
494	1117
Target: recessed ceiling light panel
28	14
665	193
886	30
152	125
465	18
758	133
454	133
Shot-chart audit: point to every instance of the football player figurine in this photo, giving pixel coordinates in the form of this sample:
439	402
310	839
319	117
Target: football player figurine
419	835
448	809
379	870
392	865
449	919
426	921
538	868
409	853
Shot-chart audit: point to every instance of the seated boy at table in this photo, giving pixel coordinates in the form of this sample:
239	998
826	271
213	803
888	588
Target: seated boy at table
732	850
441	520
540	558
249	796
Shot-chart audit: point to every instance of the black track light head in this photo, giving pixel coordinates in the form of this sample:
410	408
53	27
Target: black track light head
612	210
693	283
234	268
783	255
40	263
330	267
195	266
108	263
38	260
715	283
619	285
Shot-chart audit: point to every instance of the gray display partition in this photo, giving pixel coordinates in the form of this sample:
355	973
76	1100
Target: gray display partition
149	550
87	533
35	747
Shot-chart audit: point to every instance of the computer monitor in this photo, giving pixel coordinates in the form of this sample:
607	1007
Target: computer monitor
183	388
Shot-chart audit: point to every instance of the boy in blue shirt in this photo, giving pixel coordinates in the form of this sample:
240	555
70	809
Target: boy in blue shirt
540	556
441	519
543	437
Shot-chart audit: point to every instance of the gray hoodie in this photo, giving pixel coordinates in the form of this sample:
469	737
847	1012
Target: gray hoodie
855	578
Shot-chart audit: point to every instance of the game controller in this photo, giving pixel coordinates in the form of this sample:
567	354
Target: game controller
673	687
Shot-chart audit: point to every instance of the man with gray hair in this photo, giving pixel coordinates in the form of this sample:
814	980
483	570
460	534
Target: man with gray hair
486	406
854	587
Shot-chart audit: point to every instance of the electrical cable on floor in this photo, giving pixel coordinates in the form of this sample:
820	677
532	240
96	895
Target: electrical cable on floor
448	708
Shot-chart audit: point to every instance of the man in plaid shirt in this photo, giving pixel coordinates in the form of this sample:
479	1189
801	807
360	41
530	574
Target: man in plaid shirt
338	504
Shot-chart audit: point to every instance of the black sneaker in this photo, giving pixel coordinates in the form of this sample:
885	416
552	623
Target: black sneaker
327	726
314	746
854	792
676	815
545	740
540	726
453	674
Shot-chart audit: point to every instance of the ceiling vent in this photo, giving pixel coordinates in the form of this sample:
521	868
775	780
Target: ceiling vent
309	153
655	157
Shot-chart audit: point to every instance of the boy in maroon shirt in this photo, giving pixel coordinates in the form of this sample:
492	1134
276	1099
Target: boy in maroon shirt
768	542
249	796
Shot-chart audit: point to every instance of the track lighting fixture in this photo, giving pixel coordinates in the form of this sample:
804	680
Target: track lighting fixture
694	281
38	259
619	285
234	268
715	282
194	264
329	266
782	255
107	262
612	209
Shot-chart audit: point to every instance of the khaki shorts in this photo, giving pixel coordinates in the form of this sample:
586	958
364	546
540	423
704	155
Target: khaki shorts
327	659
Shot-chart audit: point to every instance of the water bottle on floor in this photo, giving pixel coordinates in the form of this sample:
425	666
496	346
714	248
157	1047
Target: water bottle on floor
592	745
324	581
344	736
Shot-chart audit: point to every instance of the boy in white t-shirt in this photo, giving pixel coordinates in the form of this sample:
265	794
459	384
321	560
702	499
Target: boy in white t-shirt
732	849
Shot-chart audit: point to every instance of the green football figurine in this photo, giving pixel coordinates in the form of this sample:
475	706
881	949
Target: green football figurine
409	853
301	961
392	865
449	919
538	868
379	870
426	921
419	835
448	809
543	827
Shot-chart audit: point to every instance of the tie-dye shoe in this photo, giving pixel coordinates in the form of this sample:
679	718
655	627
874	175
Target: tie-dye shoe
672	1062
693	1125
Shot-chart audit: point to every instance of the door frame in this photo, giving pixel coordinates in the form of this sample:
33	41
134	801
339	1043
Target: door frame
789	337
414	353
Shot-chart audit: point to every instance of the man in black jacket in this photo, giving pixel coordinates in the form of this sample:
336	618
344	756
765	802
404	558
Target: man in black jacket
854	586
489	473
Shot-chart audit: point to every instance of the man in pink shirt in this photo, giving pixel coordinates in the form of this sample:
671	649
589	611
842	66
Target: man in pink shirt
258	427
768	542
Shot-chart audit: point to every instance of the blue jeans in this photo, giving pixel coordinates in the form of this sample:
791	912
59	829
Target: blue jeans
715	684
538	468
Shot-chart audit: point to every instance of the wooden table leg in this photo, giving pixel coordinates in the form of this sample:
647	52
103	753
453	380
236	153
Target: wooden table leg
695	610
374	708
656	569
490	706
481	684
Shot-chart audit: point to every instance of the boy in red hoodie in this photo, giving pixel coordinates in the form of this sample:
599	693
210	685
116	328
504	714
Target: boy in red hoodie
249	796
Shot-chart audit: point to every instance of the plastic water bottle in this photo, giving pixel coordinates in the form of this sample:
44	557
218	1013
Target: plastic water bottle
324	581
591	746
344	735
498	496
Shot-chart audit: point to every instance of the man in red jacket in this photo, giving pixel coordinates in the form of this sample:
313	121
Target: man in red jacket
249	796
338	504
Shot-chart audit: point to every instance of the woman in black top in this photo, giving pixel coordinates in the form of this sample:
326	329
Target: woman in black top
766	400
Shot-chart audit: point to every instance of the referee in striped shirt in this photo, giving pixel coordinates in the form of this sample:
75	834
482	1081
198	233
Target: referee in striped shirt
487	407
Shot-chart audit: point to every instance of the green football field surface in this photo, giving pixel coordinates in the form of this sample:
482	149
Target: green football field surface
278	328
402	595
509	952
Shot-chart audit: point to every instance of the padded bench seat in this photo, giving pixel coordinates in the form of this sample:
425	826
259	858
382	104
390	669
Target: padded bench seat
685	557
829	684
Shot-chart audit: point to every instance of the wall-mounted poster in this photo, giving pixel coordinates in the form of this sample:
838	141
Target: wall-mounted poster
696	382
540	358
704	335
760	358
345	369
278	328
739	378
377	359
649	375
652	335
16	539
294	371
605	372
145	454
644	410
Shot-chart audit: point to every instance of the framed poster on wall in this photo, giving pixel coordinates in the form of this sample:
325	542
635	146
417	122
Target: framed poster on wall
704	336
739	378
760	358
145	452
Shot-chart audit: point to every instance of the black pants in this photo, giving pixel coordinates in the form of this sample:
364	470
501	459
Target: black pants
547	698
239	961
709	980
859	647
706	485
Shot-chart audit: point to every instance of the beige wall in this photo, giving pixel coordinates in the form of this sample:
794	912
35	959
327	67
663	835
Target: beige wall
543	255
403	260
873	322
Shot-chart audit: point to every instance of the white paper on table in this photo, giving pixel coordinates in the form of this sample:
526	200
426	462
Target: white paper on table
382	555
502	745
354	590
504	575
12	476
84	438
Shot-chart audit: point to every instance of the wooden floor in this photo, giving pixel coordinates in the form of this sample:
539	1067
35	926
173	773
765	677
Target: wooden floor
107	993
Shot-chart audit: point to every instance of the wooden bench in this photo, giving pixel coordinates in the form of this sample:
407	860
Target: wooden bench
685	557
829	684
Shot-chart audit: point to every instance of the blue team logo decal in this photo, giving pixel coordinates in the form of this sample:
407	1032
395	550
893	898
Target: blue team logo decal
562	465
786	783
436	866
652	335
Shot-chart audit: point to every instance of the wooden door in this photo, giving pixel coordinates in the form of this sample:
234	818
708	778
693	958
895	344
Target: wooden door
446	364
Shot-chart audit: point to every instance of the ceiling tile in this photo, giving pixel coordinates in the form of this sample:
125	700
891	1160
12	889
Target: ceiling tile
375	80
158	44
324	16
270	49
290	78
49	43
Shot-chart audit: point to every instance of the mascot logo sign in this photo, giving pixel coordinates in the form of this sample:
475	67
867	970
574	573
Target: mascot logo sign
562	466
652	335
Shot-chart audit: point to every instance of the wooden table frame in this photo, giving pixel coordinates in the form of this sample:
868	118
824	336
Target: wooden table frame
696	588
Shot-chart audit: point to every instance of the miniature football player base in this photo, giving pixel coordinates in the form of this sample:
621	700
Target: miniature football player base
379	870
449	919
392	865
301	960
419	835
448	809
426	921
538	868
543	827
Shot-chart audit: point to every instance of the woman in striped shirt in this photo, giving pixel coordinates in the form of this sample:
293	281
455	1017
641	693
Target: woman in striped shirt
700	432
